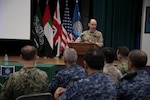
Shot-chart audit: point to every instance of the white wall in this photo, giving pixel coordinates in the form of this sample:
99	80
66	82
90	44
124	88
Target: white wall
145	38
15	19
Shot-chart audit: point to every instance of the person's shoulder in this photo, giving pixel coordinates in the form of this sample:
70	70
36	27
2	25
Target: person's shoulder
40	72
128	76
85	32
98	32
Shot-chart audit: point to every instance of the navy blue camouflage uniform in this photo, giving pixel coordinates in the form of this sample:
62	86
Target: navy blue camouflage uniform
97	86
66	77
134	86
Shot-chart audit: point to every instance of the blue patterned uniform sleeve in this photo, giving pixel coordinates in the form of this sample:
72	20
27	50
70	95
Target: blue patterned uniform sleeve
95	87
65	78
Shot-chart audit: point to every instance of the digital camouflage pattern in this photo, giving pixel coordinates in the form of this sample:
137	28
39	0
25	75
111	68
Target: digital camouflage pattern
123	67
97	86
89	37
134	86
113	72
26	81
66	77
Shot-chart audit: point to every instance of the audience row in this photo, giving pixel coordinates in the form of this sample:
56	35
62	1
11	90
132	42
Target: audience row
98	79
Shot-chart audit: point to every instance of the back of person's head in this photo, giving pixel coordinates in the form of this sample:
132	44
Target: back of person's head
28	52
109	53
70	55
95	59
123	50
138	58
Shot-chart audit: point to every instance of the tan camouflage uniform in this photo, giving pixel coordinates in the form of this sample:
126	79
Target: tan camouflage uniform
89	37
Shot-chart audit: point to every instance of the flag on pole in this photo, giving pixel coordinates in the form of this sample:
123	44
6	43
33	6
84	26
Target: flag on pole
48	31
76	22
67	23
37	31
60	34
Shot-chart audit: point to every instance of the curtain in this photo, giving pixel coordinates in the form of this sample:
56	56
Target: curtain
119	21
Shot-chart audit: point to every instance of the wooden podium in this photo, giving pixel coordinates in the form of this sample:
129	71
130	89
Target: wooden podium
81	49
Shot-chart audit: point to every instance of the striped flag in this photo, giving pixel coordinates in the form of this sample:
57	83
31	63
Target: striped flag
67	23
37	31
76	22
48	31
60	34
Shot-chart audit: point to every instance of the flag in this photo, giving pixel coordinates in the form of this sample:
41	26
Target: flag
76	22
7	70
37	31
67	23
48	31
60	34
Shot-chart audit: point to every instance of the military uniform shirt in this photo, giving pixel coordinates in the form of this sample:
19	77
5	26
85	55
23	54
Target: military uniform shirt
97	86
90	37
66	77
134	86
26	81
113	72
123	67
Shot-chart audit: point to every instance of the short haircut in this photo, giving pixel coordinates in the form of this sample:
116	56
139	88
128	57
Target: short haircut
123	50
28	52
70	55
109	53
94	58
138	58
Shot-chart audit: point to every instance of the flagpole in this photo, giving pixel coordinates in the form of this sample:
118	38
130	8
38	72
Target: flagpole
66	1
47	1
76	1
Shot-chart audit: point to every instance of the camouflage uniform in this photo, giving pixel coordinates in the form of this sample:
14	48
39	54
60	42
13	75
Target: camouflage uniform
134	86
113	72
97	86
26	81
66	77
123	67
89	37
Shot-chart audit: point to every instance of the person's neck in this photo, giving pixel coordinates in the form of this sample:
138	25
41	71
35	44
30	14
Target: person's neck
93	71
135	69
92	31
69	64
123	60
27	64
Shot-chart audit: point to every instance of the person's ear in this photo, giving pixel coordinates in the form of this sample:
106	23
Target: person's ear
88	24
130	65
84	64
20	56
35	57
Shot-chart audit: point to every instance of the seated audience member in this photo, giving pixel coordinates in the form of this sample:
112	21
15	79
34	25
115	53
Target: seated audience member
66	77
97	86
109	68
136	84
92	35
122	55
28	80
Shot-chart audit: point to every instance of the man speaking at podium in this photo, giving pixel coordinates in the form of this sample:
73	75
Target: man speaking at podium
92	35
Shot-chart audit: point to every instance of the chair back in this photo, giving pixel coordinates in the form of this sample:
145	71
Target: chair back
40	96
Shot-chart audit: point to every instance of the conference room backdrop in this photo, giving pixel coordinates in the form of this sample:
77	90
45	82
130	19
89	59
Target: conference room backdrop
118	20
